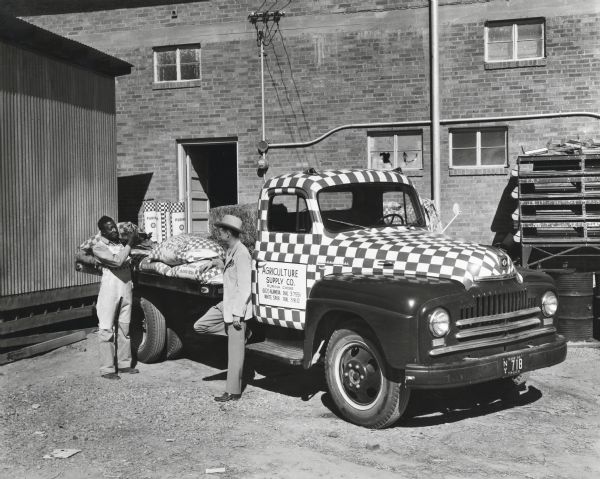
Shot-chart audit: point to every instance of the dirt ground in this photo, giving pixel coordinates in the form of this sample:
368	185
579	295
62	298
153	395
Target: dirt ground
163	423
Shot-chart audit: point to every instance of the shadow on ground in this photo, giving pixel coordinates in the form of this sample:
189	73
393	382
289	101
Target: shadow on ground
259	372
426	408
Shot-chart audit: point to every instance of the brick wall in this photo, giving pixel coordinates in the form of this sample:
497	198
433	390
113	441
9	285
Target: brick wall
336	63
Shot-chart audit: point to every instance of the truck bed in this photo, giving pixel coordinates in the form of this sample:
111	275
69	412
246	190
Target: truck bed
155	280
180	285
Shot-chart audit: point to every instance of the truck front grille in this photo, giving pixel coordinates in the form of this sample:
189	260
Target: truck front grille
496	320
490	304
495	315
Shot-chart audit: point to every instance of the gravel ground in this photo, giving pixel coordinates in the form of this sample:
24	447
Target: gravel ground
163	423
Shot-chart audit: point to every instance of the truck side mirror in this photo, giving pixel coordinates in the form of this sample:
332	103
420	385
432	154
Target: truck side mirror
456	211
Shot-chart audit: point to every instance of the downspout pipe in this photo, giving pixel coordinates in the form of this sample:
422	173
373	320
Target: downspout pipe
436	188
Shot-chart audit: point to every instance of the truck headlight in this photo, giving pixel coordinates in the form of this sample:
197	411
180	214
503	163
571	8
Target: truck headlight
439	322
549	303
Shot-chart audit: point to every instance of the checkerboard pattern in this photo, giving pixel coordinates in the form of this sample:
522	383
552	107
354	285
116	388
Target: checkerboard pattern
147	206
378	251
164	211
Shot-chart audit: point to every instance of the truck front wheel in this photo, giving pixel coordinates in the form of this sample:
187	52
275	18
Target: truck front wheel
358	382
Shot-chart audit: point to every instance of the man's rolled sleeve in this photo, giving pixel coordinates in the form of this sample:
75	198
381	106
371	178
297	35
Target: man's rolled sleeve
107	258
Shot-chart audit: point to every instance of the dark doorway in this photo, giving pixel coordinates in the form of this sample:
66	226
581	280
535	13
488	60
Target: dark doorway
211	180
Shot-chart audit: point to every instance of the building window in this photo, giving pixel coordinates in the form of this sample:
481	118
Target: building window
514	40
478	148
177	63
389	150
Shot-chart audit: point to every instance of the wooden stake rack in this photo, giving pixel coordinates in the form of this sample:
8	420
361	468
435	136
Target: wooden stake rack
559	211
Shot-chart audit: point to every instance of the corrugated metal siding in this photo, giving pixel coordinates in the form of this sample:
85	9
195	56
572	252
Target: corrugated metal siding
57	167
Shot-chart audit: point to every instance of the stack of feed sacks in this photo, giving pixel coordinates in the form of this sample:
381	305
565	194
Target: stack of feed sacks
163	219
187	256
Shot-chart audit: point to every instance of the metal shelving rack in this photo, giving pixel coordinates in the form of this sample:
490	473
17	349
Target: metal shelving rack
559	211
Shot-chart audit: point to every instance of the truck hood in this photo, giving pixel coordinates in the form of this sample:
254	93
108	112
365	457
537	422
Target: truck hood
417	252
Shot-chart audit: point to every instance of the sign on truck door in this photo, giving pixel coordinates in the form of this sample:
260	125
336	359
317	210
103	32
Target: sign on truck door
282	259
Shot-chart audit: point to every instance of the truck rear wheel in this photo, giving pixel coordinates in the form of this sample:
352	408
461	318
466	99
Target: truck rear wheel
358	382
153	333
174	344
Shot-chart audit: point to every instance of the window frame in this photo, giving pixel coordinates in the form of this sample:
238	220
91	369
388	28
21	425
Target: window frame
478	164
514	38
395	134
410	196
177	49
299	194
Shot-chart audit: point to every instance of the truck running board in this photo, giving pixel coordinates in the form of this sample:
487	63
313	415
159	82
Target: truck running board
288	351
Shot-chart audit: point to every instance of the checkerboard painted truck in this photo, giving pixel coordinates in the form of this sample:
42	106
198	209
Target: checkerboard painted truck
346	272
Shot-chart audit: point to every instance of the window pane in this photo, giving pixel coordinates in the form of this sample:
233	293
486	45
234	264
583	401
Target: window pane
500	34
190	72
409	142
382	160
382	143
500	51
529	31
493	156
166	58
466	157
283	217
464	139
529	49
398	203
410	159
189	55
492	138
335	200
167	73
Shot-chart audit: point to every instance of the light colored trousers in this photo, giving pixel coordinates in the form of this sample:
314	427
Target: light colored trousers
212	323
115	284
106	349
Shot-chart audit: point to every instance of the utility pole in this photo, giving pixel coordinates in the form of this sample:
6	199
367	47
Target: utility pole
266	24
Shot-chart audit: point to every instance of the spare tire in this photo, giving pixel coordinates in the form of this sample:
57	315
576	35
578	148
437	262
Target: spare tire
152	333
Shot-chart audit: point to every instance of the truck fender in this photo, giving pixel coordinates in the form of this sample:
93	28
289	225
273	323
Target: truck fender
388	305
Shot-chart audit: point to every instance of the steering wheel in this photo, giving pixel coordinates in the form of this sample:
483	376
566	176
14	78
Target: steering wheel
389	219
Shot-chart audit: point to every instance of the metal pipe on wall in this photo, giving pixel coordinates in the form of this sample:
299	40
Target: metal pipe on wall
435	105
451	121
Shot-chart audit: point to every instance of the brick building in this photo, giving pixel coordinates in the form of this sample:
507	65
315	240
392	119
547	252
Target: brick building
192	106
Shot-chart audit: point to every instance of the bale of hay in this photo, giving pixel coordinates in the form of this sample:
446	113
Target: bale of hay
249	216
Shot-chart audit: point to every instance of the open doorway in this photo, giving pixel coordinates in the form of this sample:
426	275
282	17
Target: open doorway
207	178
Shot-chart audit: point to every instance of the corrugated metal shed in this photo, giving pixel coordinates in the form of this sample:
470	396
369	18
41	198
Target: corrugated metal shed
57	154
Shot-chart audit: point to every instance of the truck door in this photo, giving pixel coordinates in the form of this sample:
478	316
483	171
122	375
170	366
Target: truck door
283	265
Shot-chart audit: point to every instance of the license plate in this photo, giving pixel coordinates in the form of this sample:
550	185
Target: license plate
512	365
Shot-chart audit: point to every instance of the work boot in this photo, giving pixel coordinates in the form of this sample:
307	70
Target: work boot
227	397
110	376
129	370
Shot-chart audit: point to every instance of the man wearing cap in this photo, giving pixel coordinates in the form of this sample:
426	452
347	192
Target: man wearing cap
230	315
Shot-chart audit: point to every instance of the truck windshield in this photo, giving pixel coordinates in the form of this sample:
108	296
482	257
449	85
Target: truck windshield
369	205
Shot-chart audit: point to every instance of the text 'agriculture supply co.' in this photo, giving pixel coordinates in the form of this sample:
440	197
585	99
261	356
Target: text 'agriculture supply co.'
282	284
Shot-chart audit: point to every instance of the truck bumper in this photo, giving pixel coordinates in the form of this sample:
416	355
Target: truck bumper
487	368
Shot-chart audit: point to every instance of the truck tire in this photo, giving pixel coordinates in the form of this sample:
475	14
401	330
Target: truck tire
357	381
174	344
153	333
